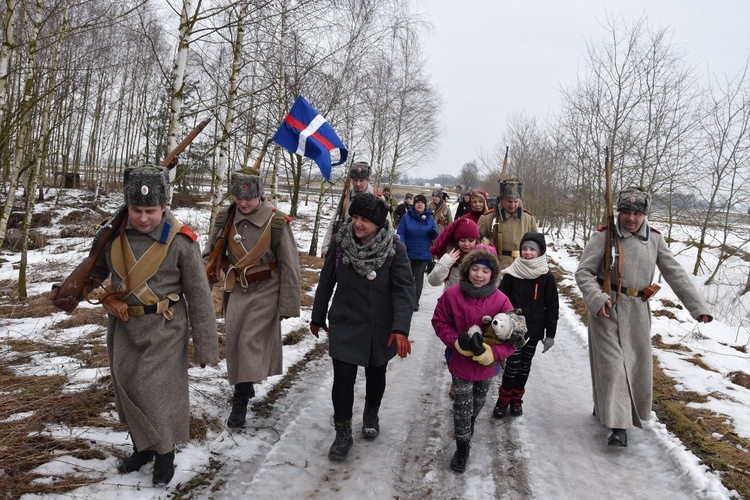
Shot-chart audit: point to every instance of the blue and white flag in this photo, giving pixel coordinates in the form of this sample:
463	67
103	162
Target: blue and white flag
305	132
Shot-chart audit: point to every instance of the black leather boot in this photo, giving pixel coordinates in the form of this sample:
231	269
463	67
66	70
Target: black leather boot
242	394
343	442
370	421
458	462
163	469
135	461
619	437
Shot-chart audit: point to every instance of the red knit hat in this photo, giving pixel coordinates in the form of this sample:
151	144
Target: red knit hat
458	229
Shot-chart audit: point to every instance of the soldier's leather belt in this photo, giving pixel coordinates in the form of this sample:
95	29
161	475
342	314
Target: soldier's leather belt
508	253
630	292
152	309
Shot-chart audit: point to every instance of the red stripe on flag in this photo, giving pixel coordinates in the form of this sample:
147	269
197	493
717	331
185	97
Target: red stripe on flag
323	141
295	123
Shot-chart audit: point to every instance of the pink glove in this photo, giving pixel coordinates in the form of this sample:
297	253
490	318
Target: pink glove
403	346
315	329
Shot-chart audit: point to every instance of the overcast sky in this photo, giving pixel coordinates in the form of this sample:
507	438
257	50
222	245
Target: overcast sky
490	58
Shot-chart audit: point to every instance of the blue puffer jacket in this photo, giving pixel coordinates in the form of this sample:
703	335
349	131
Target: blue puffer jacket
417	231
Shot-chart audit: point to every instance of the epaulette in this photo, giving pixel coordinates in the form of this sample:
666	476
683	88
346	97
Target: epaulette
654	229
527	212
602	227
188	232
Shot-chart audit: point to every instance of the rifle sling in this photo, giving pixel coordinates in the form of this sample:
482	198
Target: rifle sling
248	258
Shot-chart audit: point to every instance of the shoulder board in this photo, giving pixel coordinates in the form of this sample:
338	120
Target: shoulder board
377	193
654	229
602	227
188	232
527	212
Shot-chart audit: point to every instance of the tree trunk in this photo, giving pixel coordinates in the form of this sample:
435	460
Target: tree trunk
24	125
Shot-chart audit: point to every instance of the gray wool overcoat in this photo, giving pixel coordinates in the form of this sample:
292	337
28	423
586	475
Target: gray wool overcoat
620	346
252	314
364	312
148	355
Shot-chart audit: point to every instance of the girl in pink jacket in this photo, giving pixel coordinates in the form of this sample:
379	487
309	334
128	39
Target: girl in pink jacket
472	365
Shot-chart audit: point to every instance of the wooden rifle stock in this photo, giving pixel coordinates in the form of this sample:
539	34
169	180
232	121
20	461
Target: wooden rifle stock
609	230
218	247
493	227
344	202
505	164
75	285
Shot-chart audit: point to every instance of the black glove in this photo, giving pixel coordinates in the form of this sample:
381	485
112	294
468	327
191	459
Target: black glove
517	340
477	344
464	341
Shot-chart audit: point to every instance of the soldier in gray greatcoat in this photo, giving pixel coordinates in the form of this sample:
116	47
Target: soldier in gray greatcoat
620	323
156	271
262	287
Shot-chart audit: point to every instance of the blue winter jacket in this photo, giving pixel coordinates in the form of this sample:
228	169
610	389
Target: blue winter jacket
417	231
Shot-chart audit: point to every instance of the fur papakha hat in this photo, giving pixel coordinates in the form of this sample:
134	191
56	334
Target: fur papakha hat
360	170
371	207
146	186
480	254
511	188
246	184
634	198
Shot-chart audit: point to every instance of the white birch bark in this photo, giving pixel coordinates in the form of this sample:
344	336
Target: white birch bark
24	124
178	82
9	24
234	77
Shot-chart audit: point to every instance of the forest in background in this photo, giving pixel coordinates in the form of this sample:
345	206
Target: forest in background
90	87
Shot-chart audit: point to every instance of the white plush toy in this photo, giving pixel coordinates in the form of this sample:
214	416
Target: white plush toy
504	327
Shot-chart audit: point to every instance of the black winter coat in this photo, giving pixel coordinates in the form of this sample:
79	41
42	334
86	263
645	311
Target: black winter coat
541	311
364	312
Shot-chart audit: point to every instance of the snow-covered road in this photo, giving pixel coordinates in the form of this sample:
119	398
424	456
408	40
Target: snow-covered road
556	449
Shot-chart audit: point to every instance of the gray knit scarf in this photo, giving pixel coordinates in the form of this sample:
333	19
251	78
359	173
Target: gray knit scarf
365	257
473	291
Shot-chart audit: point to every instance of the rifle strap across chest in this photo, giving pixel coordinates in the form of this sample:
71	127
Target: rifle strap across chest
245	258
135	273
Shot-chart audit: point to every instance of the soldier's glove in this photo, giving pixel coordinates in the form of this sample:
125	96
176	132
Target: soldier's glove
486	358
403	346
548	342
67	304
315	328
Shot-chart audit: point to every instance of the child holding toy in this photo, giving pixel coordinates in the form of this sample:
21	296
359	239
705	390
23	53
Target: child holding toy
529	284
471	361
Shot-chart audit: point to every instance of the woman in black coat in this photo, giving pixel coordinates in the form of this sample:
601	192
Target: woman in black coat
530	286
370	314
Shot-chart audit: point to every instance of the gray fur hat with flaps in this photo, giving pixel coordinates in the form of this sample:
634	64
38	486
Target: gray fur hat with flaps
371	207
360	170
634	198
481	256
146	186
511	188
246	184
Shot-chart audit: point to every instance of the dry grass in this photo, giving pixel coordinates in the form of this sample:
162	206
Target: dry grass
663	313
36	306
25	447
295	336
697	360
698	430
739	378
657	341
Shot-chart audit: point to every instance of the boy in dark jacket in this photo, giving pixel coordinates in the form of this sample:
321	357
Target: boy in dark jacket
530	286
